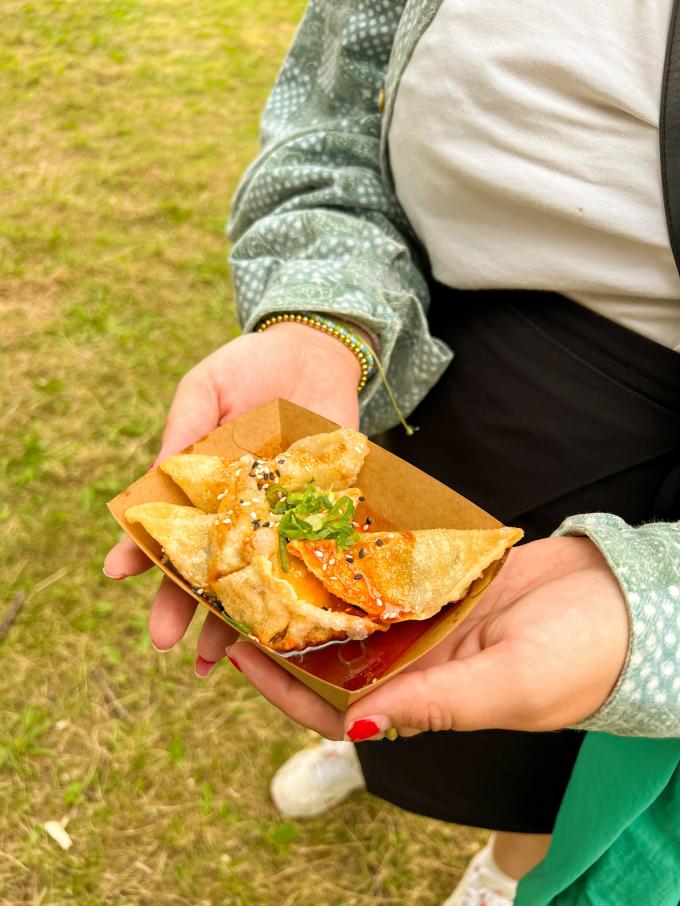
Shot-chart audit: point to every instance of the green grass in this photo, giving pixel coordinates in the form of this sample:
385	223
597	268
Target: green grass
125	126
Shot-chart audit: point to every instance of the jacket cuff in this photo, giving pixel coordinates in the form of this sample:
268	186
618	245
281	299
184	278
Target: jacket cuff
646	564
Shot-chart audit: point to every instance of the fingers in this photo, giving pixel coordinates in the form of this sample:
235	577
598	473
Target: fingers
287	693
472	694
215	638
194	412
125	559
171	613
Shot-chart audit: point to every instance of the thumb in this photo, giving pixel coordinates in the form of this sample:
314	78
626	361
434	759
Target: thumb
475	693
194	412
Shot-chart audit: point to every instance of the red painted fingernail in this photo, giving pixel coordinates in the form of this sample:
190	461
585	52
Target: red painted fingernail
363	729
203	667
112	575
149	468
234	663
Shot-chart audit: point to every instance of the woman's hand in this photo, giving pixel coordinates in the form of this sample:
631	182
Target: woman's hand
288	360
542	650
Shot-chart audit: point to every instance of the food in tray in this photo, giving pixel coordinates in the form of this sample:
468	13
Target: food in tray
276	545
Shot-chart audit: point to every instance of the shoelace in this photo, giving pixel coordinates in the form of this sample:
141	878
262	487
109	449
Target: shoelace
333	766
478	894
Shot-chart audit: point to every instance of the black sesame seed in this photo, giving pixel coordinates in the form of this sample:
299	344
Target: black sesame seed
362	552
256	523
271	476
278	473
349	558
255	465
368	520
280	461
358	576
266	524
362	499
379	542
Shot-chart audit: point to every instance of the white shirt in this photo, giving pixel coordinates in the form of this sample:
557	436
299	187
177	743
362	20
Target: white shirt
525	150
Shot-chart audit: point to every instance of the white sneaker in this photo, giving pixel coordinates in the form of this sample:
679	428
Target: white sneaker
483	883
316	779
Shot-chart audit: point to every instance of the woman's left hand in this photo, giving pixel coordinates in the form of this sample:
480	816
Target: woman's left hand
542	650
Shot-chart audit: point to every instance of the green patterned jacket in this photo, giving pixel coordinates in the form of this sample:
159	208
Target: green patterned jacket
316	226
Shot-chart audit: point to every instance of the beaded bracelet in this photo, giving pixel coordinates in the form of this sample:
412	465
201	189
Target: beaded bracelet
368	359
361	350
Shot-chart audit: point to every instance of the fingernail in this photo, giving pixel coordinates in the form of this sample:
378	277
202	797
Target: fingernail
234	662
149	468
112	575
159	650
367	728
203	667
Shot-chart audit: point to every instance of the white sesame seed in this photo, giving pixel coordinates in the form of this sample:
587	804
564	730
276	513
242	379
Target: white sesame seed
324	567
331	562
319	554
237	473
220	496
216	522
245	503
226	522
199	591
253	515
378	602
265	486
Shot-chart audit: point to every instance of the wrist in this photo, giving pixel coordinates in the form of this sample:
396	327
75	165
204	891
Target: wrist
320	350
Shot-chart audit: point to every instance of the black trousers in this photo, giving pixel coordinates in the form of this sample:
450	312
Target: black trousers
548	410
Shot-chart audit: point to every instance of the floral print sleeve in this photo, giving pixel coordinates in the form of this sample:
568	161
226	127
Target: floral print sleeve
646	563
315	223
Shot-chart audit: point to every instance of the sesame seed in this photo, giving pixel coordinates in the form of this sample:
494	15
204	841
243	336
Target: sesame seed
220	496
362	552
278	473
331	562
362	499
237	473
255	464
324	567
199	591
256	523
226	522
245	503
216	522
319	554
378	602
265	486
379	542
280	461
358	576
349	558
266	524
368	520
253	515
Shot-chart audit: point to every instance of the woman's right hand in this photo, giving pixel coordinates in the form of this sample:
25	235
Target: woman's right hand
288	360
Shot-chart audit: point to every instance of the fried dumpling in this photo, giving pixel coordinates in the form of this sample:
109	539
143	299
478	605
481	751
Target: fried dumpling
205	479
289	611
182	532
405	575
334	460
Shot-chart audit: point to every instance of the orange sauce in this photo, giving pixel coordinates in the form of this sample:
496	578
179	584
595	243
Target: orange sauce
353	665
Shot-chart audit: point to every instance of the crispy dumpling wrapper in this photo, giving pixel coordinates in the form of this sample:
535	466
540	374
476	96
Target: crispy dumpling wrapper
334	460
290	611
182	532
405	575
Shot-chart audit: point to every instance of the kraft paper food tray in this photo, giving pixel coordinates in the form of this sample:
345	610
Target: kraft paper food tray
399	493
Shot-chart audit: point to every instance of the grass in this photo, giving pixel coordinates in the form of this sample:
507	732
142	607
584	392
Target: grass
126	124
